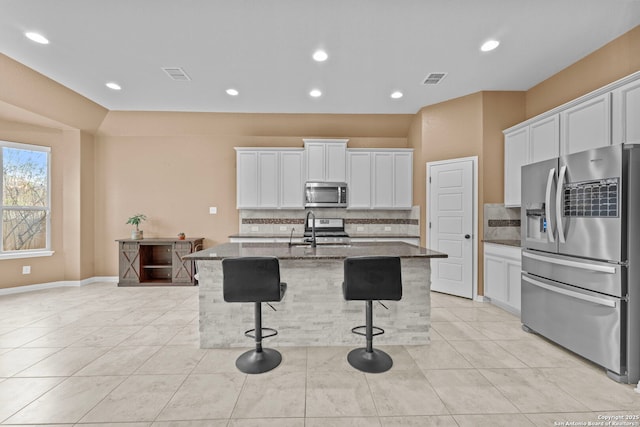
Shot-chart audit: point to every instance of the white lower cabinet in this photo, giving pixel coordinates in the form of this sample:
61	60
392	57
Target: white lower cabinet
502	268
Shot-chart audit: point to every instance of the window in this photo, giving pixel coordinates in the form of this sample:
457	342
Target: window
26	200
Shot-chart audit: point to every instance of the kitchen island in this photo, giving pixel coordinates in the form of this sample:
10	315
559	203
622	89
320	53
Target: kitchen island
313	311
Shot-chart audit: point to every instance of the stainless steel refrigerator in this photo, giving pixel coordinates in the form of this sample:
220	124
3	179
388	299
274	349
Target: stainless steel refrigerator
581	255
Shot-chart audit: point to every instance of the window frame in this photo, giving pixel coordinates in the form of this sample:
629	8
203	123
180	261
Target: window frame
31	253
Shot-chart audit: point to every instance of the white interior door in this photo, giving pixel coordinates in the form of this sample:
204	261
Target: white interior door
450	225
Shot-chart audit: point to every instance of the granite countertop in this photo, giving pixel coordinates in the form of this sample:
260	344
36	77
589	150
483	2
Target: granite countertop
515	243
299	236
284	251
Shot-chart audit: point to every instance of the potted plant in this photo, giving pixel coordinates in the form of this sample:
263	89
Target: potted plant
181	236
136	220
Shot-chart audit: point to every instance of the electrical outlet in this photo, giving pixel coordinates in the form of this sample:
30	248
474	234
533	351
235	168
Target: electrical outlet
26	269
360	228
255	228
283	228
387	228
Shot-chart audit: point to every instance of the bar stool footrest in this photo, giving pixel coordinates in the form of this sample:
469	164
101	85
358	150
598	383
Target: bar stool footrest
380	331
272	334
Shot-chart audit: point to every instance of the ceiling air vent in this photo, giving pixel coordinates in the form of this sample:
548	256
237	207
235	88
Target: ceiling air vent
176	73
434	78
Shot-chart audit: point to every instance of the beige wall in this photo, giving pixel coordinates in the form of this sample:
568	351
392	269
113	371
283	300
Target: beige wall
611	62
173	166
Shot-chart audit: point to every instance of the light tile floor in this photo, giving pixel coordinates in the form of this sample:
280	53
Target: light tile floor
129	357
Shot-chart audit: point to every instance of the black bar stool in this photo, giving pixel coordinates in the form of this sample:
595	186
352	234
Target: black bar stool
368	279
257	280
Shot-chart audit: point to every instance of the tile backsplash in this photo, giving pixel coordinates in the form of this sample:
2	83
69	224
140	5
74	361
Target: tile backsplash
357	222
501	223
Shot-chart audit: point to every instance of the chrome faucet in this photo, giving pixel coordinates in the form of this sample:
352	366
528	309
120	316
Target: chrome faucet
313	228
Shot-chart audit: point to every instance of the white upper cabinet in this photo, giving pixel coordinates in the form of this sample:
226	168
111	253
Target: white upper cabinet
292	179
544	139
383	180
326	159
359	179
586	125
605	116
269	178
403	180
380	179
247	179
516	154
626	114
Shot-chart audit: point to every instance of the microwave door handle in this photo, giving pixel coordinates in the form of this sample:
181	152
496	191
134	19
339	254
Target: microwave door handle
559	204
547	205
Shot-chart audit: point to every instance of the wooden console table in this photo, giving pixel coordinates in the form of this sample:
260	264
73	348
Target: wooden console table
157	261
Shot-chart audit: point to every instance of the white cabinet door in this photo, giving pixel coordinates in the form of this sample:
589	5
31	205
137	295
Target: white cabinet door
586	126
326	160
403	180
382	180
315	155
247	179
292	179
359	179
516	149
495	282
544	139
336	162
502	271
268	173
626	114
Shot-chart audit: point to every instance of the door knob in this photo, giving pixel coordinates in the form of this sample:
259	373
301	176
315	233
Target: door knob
467	236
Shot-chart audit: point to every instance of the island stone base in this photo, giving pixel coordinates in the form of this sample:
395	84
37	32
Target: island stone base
313	311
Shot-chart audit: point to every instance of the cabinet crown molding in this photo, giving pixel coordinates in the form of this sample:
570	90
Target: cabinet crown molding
600	91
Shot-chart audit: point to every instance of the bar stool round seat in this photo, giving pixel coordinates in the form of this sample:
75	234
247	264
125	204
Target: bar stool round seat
367	279
257	280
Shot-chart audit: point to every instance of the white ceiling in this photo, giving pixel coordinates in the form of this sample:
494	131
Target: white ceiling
263	49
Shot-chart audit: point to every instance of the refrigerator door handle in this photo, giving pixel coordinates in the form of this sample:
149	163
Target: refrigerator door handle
571	294
547	205
573	264
559	205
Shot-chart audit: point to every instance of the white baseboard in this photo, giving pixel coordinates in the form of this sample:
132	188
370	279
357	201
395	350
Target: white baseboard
59	284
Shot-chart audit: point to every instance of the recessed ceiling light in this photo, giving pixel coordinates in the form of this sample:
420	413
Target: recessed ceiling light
320	55
315	93
113	86
397	94
489	45
232	92
38	38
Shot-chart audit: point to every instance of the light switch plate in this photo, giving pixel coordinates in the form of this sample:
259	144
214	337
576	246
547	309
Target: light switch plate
213	210
26	269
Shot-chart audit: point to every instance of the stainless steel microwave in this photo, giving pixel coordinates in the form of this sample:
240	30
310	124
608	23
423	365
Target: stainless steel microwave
325	195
